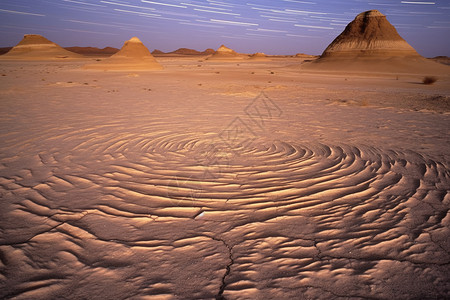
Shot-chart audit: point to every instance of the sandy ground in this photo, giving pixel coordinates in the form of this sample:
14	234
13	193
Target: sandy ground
222	180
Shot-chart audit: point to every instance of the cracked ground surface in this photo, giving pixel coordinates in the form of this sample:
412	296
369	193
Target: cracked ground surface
182	185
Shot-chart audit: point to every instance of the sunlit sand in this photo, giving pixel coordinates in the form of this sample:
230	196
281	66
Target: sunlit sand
223	176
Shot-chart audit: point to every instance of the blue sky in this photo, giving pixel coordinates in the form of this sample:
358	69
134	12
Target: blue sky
273	27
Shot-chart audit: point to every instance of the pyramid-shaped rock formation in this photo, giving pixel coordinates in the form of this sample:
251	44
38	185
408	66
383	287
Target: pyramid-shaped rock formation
132	56
225	53
369	34
371	44
259	56
37	47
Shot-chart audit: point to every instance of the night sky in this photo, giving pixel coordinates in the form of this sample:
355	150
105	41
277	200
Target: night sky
248	26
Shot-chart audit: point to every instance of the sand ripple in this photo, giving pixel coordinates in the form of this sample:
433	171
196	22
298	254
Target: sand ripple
185	216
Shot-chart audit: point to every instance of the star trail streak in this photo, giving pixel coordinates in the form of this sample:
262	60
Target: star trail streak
295	25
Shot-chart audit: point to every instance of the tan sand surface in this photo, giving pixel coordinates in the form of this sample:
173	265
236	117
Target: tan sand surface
253	180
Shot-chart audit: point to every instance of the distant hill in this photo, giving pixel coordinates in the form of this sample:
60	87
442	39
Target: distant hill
184	51
5	50
157	52
209	51
303	55
442	59
93	51
187	51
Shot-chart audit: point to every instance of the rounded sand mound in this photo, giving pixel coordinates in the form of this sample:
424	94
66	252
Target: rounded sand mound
37	47
133	56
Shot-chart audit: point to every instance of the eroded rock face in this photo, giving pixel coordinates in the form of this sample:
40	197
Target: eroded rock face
369	34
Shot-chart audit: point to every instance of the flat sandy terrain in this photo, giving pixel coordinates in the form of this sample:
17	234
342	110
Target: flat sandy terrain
233	180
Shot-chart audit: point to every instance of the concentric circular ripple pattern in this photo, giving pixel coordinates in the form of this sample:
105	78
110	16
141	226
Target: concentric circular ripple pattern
261	220
163	186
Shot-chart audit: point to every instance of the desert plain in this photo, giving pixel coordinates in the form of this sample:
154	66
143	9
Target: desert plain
223	179
243	180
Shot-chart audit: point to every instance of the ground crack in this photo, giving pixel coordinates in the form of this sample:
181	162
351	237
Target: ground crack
219	295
